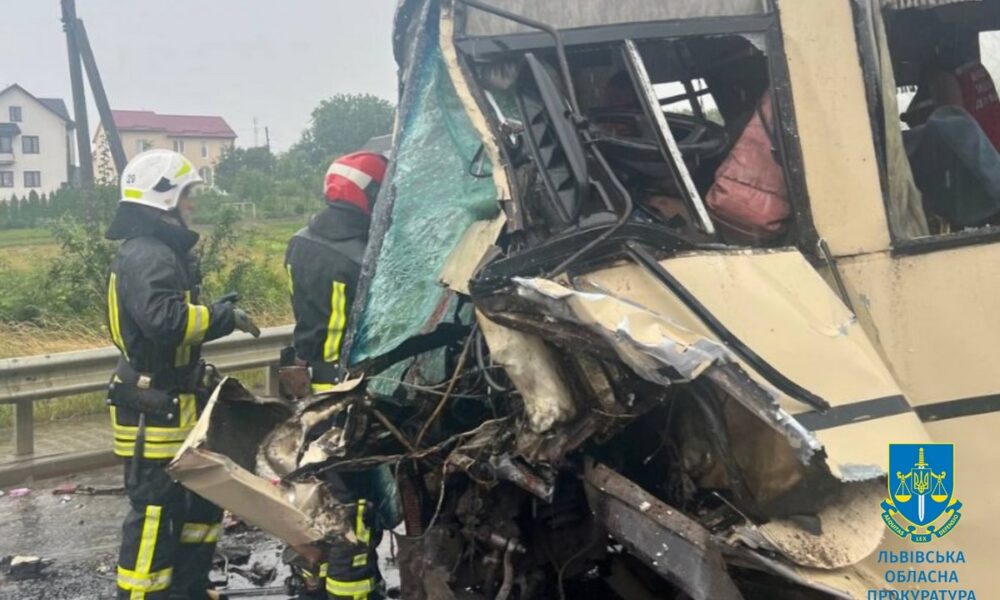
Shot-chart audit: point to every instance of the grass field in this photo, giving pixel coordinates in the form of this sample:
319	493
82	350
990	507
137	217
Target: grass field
24	237
30	250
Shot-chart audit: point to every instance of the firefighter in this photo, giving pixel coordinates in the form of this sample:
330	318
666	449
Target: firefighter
159	387
323	262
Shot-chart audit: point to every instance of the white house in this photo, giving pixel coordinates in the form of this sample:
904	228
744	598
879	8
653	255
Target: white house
36	144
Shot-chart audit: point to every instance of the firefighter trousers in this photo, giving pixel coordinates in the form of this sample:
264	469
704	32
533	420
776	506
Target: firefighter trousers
352	561
168	537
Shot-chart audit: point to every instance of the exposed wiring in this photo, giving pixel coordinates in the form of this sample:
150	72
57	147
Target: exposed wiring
561	572
483	368
451	386
431	390
437	509
392	429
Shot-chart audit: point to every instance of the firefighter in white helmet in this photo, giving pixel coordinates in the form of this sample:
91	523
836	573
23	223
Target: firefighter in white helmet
161	385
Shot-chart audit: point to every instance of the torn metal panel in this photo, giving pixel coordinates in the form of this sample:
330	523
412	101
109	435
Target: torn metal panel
674	546
534	370
217	461
659	349
776	303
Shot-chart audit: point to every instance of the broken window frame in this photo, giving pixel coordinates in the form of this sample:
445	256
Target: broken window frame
900	245
806	238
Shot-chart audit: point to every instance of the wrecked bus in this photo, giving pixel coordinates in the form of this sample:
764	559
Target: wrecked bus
576	378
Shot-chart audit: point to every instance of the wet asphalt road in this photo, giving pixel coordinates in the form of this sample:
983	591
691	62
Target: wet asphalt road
79	534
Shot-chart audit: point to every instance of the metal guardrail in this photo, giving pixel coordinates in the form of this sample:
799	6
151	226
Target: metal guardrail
28	379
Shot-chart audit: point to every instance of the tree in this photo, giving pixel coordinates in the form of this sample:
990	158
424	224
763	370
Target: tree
34	209
15	212
343	124
237	161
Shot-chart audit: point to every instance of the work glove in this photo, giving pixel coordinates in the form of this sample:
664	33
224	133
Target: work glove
243	322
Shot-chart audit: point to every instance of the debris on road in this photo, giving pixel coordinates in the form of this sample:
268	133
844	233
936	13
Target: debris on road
19	492
258	574
67	489
19	568
237	555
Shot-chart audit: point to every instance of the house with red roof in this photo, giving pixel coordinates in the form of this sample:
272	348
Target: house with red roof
202	139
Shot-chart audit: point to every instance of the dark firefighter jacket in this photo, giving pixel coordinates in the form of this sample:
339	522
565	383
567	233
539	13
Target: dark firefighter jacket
158	324
323	262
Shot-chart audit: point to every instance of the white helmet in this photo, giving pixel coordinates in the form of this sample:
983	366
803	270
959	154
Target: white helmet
157	178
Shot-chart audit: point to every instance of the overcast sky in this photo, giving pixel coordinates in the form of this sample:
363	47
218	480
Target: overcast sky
274	60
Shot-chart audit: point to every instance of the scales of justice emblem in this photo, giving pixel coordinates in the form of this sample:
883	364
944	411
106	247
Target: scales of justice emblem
921	503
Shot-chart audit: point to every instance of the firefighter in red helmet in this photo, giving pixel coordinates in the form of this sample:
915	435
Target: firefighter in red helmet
323	262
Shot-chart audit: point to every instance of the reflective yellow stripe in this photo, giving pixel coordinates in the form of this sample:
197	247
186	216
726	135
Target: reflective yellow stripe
153	434
151	451
213	533
182	356
335	329
140	581
114	322
323	568
197	324
356	590
154	582
161	442
362	532
200	533
319	388
133	194
184	170
291	286
360	560
188	411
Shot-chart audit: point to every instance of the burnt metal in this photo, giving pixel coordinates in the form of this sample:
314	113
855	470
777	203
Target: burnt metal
488	48
506	469
954	409
866	410
644	259
674	546
543	258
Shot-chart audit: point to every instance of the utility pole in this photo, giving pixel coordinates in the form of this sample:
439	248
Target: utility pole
100	97
79	99
256	139
267	138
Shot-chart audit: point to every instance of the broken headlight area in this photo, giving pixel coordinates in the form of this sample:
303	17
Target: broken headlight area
556	456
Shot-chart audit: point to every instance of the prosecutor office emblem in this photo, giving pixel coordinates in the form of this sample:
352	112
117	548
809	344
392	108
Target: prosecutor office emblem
921	503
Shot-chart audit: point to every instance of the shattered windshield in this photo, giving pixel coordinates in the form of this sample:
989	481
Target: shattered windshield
433	196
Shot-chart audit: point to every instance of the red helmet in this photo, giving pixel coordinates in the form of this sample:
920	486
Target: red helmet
355	179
